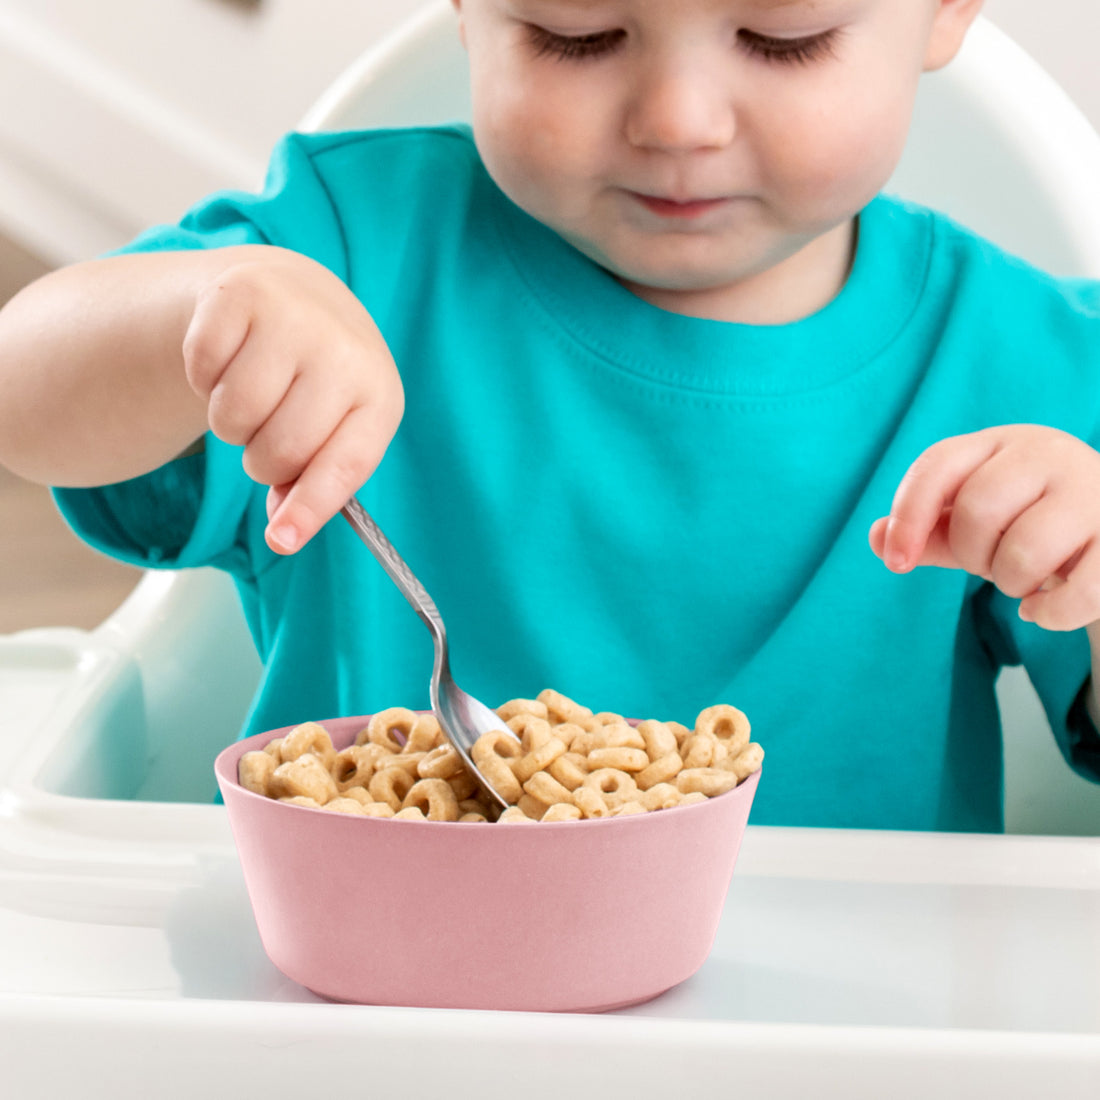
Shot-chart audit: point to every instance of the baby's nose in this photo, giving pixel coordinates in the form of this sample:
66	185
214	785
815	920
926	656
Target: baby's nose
680	111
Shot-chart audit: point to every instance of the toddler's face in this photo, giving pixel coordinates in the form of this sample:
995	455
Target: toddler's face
709	153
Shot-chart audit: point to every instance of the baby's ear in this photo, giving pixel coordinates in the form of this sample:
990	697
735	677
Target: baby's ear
457	5
952	20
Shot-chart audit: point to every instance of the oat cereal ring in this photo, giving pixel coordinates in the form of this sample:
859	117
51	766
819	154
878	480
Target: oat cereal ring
560	708
411	813
628	808
538	759
391	785
492	752
344	806
568	732
464	785
570	770
440	763
679	731
624	736
543	786
515	816
698	751
305	775
530	730
562	811
660	771
425	735
657	738
533	807
521	706
308	737
378	809
473	818
359	794
409	761
472	806
254	771
590	803
747	761
353	767
608	718
626	760
301	800
727	724
384	727
435	799
661	797
691	799
708	781
613	786
274	748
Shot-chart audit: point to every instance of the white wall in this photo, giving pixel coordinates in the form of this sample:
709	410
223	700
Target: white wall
1062	36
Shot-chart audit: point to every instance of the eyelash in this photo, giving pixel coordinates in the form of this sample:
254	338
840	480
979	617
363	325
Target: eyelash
789	51
573	48
782	51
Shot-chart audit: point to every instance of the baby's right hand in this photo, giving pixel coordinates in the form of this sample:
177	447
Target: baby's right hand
293	369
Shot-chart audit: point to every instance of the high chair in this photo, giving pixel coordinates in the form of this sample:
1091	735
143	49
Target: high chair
137	709
846	963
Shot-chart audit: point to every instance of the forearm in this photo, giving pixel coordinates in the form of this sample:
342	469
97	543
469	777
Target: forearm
92	384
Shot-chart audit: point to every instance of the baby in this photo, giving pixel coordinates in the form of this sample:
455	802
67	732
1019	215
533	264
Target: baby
649	359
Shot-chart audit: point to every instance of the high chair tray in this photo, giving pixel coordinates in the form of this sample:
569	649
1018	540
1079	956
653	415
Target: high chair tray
847	963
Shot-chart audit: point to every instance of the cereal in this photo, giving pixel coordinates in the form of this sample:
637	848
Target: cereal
435	798
306	776
309	737
710	781
255	771
391	785
552	760
660	771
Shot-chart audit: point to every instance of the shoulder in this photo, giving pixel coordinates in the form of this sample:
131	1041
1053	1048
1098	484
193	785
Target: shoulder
1000	289
408	153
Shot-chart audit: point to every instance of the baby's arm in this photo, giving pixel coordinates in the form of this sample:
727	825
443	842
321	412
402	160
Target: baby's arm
110	368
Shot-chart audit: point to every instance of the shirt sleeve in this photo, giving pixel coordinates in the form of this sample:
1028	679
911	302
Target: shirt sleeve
1058	665
202	509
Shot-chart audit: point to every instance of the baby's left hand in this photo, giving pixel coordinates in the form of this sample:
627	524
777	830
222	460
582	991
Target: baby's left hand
1018	505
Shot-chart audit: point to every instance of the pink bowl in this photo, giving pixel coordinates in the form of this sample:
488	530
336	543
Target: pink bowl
567	916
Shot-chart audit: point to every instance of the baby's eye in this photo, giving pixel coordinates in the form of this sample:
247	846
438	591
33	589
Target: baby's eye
789	51
573	47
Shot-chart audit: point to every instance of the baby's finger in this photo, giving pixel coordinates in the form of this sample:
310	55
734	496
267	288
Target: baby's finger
927	489
1037	545
249	390
337	471
1071	605
987	504
296	430
219	328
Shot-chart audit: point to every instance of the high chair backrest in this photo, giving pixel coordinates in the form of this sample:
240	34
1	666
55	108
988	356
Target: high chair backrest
996	143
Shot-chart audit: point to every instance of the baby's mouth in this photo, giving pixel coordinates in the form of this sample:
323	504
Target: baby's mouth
677	208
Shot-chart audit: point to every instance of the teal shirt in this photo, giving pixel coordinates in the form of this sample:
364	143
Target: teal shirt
649	512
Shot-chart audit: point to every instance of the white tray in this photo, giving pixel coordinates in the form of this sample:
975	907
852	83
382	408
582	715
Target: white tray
848	964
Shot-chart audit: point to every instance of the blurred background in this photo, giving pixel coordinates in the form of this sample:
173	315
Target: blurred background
118	114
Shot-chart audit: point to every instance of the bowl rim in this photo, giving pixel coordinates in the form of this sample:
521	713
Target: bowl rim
232	753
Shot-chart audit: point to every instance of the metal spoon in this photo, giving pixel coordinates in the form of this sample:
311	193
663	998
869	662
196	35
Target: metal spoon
461	717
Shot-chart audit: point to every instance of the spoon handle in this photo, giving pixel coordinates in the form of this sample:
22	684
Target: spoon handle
394	565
